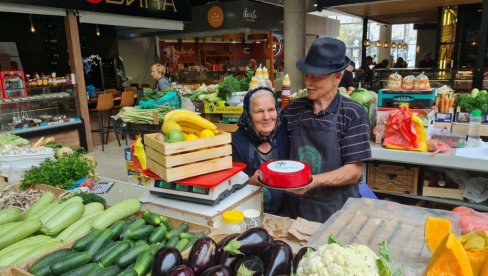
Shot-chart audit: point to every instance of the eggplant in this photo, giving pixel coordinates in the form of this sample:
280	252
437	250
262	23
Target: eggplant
302	253
251	266
217	270
224	242
202	255
254	241
278	259
181	270
230	261
165	260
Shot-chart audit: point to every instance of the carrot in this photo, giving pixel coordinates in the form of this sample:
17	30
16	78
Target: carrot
446	104
440	108
451	102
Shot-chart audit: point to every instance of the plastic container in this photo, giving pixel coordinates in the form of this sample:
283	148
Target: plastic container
474	129
252	218
285	91
233	222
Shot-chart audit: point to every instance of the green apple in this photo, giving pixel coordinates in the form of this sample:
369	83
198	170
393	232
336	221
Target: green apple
174	136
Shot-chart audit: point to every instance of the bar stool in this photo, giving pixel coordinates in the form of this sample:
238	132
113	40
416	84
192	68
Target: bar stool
105	103
126	100
113	91
131	88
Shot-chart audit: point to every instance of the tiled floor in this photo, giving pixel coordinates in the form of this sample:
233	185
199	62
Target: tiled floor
111	162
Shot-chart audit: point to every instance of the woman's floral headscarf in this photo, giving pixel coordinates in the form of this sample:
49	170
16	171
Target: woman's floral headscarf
247	124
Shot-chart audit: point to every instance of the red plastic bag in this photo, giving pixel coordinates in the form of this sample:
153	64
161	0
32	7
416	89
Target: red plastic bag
404	130
470	220
138	155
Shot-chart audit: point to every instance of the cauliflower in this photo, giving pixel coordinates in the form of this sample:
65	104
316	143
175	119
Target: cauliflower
336	260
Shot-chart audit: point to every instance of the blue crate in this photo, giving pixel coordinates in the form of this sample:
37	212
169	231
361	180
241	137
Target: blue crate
422	99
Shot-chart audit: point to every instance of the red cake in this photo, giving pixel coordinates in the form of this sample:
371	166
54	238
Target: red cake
285	174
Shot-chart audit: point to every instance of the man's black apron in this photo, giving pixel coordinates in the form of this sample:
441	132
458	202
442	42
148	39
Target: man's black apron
316	143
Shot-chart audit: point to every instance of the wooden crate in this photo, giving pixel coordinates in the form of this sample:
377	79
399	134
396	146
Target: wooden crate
13	271
174	161
393	178
43	187
443	192
448	189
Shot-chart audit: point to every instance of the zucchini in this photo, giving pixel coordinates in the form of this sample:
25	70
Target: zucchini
173	241
144	263
136	224
99	241
38	205
177	231
151	218
38	250
181	245
92	207
25	242
140	233
71	262
66	233
64	218
111	257
82	243
116	212
7	260
43	211
83	270
9	226
117	229
130	256
11	214
22	231
50	259
108	271
158	234
80	232
104	251
53	212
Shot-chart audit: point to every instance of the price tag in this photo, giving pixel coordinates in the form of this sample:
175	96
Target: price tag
102	187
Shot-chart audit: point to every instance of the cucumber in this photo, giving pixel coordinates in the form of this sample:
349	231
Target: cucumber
173	241
144	263
177	231
129	271
193	240
186	235
70	262
68	232
50	258
82	243
166	222
136	224
83	270
139	242
140	233
25	242
39	204
151	218
108	271
104	251
117	229
11	214
130	256
111	257
158	234
22	231
43	211
155	247
53	212
64	218
181	245
99	241
117	212
92	207
37	250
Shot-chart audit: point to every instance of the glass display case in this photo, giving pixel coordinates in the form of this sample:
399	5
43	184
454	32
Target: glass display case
12	84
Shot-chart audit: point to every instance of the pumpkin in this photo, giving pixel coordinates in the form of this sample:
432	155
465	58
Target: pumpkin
449	258
484	271
477	259
435	230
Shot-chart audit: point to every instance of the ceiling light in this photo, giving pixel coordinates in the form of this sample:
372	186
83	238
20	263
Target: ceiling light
385	44
98	30
393	45
32	28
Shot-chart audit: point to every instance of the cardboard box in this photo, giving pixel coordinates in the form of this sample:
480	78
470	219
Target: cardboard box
395	178
212	108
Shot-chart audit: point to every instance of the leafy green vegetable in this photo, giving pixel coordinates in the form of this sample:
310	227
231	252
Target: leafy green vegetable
149	93
87	197
384	262
244	82
332	239
10	139
62	172
228	86
468	103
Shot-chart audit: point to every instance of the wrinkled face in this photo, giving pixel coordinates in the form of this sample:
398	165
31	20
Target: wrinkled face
155	74
319	87
264	114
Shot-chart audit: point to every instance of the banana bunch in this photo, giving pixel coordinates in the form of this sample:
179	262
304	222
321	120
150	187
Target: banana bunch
189	121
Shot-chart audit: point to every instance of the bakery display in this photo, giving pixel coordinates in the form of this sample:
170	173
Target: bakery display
394	82
421	82
408	82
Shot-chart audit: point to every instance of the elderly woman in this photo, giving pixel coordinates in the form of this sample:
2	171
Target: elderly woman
260	138
157	73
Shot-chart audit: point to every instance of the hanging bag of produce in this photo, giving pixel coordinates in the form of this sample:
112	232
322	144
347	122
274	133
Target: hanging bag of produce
139	155
404	130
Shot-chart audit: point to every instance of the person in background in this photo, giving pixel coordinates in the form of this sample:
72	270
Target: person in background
427	62
158	72
261	137
365	71
400	63
347	80
252	65
383	64
329	132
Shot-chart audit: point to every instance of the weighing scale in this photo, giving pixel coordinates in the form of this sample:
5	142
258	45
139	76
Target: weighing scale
207	189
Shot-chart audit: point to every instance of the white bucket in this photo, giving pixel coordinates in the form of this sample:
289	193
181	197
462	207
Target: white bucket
236	98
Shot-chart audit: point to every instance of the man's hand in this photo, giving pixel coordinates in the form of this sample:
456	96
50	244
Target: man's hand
254	179
305	189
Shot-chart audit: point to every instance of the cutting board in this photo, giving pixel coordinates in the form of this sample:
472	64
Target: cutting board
210	180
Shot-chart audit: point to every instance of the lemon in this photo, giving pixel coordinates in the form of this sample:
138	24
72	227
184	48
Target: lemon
170	125
190	137
206	133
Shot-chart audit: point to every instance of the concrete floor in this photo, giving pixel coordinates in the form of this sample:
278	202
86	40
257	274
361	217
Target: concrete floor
111	162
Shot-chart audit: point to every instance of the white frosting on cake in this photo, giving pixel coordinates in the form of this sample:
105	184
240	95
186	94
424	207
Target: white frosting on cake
286	166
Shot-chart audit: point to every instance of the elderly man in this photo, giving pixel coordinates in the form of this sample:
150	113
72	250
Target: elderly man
327	131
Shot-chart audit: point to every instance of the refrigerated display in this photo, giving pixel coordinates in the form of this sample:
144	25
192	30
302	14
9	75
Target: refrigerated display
13	84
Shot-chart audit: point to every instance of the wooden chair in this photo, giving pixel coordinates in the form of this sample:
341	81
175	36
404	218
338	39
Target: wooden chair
105	103
127	99
145	85
113	91
132	88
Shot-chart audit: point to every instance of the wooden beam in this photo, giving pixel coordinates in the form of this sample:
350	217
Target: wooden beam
76	64
271	56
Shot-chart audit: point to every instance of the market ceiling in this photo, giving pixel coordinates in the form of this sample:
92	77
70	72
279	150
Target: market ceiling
393	11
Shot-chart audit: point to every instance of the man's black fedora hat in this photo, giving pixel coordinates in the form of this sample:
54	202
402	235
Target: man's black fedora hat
326	55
